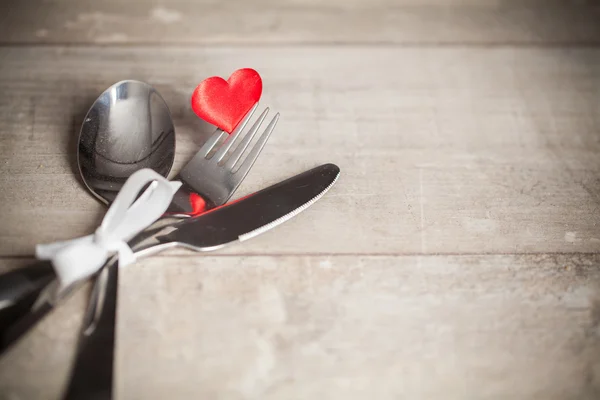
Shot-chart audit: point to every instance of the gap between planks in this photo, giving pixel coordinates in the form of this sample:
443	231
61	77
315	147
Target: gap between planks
383	254
383	43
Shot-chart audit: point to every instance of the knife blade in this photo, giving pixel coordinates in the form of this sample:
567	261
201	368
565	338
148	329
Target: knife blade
240	220
254	214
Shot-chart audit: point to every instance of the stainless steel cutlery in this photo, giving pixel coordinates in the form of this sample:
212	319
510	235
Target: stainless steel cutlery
129	127
210	177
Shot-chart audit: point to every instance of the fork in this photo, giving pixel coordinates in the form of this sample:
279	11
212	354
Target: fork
209	180
219	180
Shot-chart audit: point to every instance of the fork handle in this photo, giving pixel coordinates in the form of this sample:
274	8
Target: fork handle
187	202
92	372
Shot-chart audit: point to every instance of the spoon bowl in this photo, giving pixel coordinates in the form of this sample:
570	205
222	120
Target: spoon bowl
129	127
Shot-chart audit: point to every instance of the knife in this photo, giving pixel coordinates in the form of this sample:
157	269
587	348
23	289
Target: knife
238	220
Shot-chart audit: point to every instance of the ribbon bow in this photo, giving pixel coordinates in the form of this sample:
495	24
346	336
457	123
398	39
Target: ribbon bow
80	258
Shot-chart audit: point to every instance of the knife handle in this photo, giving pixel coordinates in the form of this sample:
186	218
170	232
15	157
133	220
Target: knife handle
21	282
19	290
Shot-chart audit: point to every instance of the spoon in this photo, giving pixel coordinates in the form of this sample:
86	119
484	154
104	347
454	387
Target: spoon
129	127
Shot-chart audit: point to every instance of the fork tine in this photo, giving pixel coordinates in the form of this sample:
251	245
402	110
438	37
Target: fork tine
254	153
234	135
237	153
211	143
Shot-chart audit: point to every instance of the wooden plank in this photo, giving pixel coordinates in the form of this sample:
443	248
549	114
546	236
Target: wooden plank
300	21
441	150
339	327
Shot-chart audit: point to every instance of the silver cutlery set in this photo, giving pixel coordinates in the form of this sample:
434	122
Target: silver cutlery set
129	128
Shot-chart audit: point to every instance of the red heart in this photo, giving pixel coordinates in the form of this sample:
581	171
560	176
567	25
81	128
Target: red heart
224	103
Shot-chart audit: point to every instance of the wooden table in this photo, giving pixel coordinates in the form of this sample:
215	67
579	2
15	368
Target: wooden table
458	256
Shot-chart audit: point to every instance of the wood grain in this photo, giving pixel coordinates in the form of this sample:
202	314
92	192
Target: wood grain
456	258
441	150
529	22
339	327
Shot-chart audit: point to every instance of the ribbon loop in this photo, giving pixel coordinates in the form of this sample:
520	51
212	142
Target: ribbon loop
80	258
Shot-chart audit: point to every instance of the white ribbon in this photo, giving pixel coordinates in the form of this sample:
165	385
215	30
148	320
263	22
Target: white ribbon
80	258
